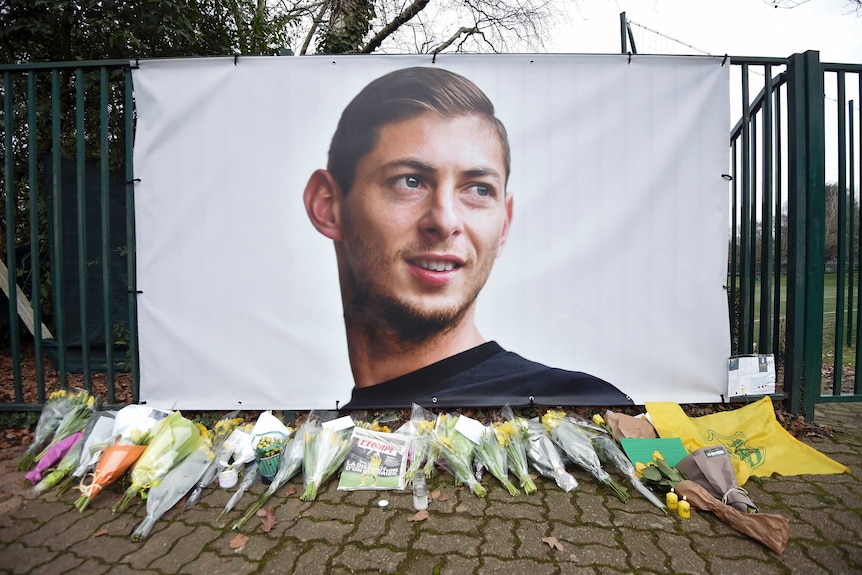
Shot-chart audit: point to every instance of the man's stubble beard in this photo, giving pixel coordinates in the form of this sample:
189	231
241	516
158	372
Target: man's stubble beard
396	323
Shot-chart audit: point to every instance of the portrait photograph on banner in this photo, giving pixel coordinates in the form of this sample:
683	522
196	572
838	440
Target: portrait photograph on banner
362	232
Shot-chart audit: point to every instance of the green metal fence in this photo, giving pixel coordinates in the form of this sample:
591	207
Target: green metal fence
794	246
68	242
68	211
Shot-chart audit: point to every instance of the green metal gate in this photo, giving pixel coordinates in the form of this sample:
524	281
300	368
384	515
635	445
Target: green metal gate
68	241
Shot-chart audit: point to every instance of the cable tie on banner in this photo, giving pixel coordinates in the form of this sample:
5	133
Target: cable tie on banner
137	65
434	57
133	181
135	291
235	59
727	177
337	401
630	57
723	62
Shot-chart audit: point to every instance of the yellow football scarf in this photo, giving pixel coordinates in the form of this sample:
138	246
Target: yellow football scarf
757	443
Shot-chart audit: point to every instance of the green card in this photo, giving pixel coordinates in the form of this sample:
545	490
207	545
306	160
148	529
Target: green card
641	449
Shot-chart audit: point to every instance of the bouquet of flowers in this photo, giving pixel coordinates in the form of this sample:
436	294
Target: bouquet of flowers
511	433
546	457
175	484
493	456
222	429
326	446
609	452
63	468
98	434
132	429
174	438
250	475
291	461
76	418
577	446
422	428
116	459
457	451
59	404
53	455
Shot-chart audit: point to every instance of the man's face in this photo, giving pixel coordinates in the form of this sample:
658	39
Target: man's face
425	219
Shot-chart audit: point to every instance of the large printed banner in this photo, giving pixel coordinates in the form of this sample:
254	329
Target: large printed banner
615	262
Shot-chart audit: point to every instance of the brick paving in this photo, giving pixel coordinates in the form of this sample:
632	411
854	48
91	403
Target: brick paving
347	532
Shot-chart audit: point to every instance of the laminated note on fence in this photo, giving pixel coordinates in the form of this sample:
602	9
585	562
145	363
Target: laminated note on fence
750	375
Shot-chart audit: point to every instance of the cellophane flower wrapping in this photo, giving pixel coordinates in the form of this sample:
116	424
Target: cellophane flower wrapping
173	439
611	454
221	430
54	454
74	421
492	454
116	459
579	449
55	409
512	434
422	428
546	458
250	474
98	435
290	464
175	484
457	451
62	469
325	448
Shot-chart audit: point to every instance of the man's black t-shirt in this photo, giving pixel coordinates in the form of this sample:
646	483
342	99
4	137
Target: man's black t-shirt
488	376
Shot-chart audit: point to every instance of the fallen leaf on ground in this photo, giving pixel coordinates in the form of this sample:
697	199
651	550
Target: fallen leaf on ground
260	513
442	497
290	491
99	533
552	543
238	541
434	494
269	520
419	516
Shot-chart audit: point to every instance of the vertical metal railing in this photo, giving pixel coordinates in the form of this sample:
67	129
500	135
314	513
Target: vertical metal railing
67	155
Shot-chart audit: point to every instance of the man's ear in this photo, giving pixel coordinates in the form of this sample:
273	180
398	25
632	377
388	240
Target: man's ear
322	199
510	202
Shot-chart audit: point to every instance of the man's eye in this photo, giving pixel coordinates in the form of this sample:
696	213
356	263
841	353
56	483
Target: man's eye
412	181
482	190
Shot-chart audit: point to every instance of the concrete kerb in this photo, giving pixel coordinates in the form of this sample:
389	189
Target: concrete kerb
587	531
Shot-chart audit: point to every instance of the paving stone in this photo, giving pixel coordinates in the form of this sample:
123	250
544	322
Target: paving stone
315	559
355	558
210	563
683	558
457	565
24	559
494	565
307	529
644	551
499	540
596	555
282	558
434	543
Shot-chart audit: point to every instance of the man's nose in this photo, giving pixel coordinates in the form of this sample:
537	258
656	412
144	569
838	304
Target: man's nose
442	218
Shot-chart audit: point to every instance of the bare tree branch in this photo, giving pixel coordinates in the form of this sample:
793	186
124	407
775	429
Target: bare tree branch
313	28
405	16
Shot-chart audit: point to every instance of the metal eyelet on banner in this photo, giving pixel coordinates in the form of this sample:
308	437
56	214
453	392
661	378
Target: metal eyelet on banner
433	400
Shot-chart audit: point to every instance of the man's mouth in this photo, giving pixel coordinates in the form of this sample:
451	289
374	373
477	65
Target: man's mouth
436	265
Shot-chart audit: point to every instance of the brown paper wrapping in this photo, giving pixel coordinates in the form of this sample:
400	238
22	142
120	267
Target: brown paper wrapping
770	530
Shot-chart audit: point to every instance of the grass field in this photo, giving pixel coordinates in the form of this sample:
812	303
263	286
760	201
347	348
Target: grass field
830	300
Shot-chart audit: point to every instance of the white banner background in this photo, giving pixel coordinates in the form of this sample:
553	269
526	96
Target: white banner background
615	263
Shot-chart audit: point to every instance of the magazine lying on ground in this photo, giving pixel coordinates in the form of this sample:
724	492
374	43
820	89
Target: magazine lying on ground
377	460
